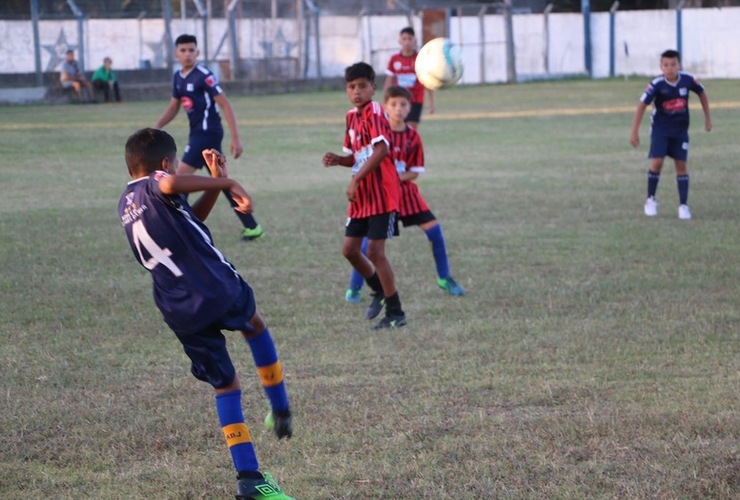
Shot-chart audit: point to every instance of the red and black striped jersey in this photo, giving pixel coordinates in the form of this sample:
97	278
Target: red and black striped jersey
378	192
403	68
407	153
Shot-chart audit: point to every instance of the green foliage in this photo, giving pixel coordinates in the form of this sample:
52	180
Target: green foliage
595	355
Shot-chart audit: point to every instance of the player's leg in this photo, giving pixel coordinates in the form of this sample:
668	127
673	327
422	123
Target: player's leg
78	90
433	231
657	154
251	483
380	229
354	292
354	234
210	363
116	91
100	85
679	151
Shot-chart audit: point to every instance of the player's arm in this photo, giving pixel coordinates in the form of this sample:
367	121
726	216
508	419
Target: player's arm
408	176
225	105
182	184
380	151
169	113
333	159
704	100
634	136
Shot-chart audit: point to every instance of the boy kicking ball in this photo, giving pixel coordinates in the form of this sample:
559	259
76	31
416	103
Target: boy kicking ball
200	293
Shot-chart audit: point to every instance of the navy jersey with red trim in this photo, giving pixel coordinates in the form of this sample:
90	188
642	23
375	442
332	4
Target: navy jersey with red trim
670	115
378	192
196	91
193	283
407	153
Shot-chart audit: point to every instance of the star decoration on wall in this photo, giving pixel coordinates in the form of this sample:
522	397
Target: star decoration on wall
58	50
158	52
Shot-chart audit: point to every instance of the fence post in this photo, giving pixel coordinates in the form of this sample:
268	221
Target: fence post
586	10
80	32
36	42
510	53
612	36
546	13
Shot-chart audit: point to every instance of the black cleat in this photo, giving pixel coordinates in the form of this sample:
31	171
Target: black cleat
376	305
281	422
391	321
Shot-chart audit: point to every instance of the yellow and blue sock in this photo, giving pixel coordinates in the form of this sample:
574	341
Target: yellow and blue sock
236	432
269	369
439	250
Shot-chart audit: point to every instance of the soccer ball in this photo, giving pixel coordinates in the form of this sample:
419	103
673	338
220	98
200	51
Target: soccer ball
439	64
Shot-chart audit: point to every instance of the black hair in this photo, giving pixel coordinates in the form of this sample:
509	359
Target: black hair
397	91
671	54
146	148
359	70
182	39
408	30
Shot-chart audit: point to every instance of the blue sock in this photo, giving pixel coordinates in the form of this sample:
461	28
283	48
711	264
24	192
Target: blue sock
229	409
652	183
356	280
683	188
435	236
269	369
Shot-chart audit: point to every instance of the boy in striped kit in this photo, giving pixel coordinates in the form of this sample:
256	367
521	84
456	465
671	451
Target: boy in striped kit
373	193
407	153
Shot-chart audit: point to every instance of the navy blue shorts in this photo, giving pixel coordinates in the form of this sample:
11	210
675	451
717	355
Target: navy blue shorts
193	154
377	227
415	112
210	361
675	147
418	219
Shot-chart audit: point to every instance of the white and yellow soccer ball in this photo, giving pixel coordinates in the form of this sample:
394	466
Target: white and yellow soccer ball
439	64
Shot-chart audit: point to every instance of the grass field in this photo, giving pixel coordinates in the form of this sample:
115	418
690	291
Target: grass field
595	355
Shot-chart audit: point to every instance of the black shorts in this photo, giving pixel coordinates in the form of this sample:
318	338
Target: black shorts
193	154
377	227
210	360
418	219
415	113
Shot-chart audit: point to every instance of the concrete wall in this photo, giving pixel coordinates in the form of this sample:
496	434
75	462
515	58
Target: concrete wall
544	45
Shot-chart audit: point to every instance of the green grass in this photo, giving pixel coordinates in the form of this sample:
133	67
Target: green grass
596	354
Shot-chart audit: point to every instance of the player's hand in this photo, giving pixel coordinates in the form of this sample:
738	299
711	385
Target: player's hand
216	162
708	125
241	198
330	160
236	148
351	190
635	140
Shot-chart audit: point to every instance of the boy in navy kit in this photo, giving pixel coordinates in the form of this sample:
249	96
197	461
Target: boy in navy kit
669	131
200	293
407	153
401	71
373	193
197	90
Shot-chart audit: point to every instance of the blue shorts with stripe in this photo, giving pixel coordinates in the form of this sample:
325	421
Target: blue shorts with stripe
193	154
677	147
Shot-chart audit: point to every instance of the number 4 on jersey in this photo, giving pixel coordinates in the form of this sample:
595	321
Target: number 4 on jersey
158	254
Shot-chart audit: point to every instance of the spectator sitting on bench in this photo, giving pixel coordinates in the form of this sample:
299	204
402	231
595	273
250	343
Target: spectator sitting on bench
71	76
105	79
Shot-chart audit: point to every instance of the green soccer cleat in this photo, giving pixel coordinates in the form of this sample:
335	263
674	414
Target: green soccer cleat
376	305
281	422
450	286
392	321
253	233
259	488
353	295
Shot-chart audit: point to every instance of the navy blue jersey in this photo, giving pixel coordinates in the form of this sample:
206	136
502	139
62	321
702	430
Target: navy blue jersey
670	116
196	91
194	284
